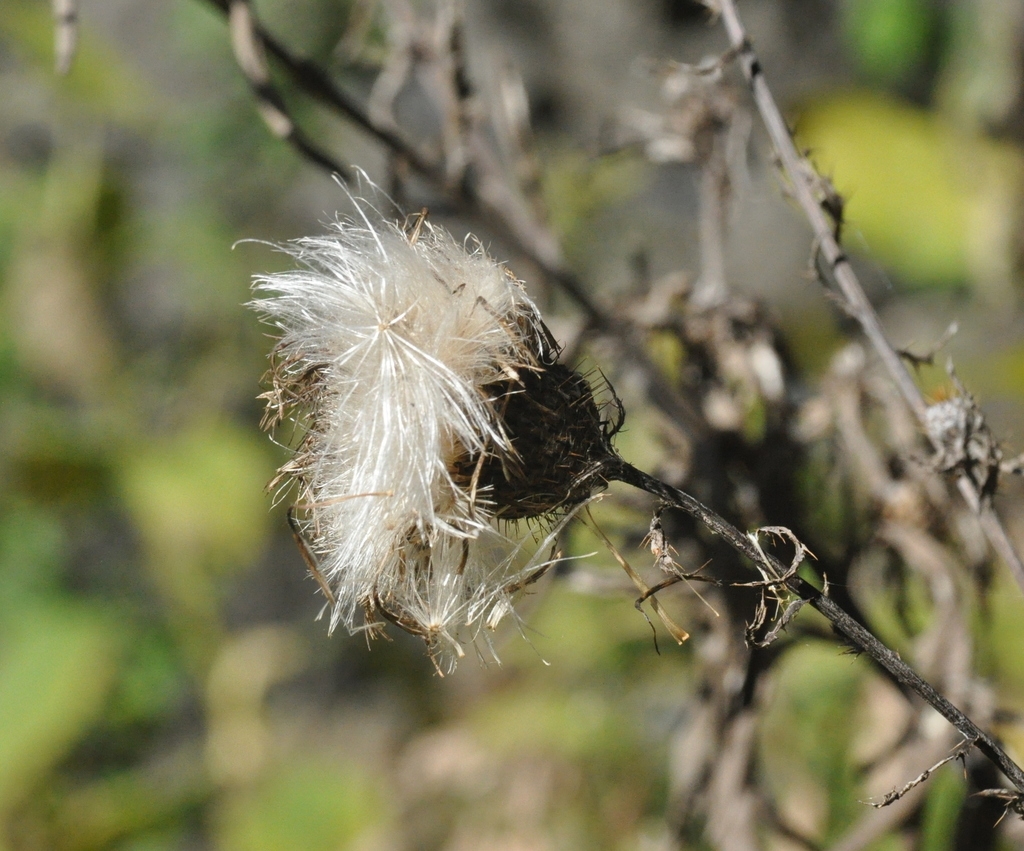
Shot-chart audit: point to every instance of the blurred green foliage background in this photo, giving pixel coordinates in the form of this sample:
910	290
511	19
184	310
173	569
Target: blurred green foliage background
163	681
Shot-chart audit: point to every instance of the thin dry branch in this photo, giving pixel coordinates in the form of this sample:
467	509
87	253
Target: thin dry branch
251	58
876	823
896	794
804	184
314	81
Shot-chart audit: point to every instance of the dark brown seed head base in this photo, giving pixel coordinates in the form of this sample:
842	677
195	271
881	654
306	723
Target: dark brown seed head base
559	440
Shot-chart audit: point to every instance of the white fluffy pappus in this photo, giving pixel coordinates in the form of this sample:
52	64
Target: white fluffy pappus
405	357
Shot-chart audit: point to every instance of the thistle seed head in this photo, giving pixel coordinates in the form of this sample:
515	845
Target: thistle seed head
432	409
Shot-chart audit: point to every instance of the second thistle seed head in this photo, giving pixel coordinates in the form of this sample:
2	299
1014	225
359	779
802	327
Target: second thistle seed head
432	408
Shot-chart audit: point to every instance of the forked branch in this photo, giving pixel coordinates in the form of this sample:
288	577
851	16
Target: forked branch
804	180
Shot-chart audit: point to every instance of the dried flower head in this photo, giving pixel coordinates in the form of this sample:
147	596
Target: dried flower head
963	440
434	416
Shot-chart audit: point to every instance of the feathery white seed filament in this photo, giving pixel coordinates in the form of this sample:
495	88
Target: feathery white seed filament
390	349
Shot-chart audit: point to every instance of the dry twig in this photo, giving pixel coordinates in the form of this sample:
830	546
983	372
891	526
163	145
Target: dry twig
248	48
896	794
